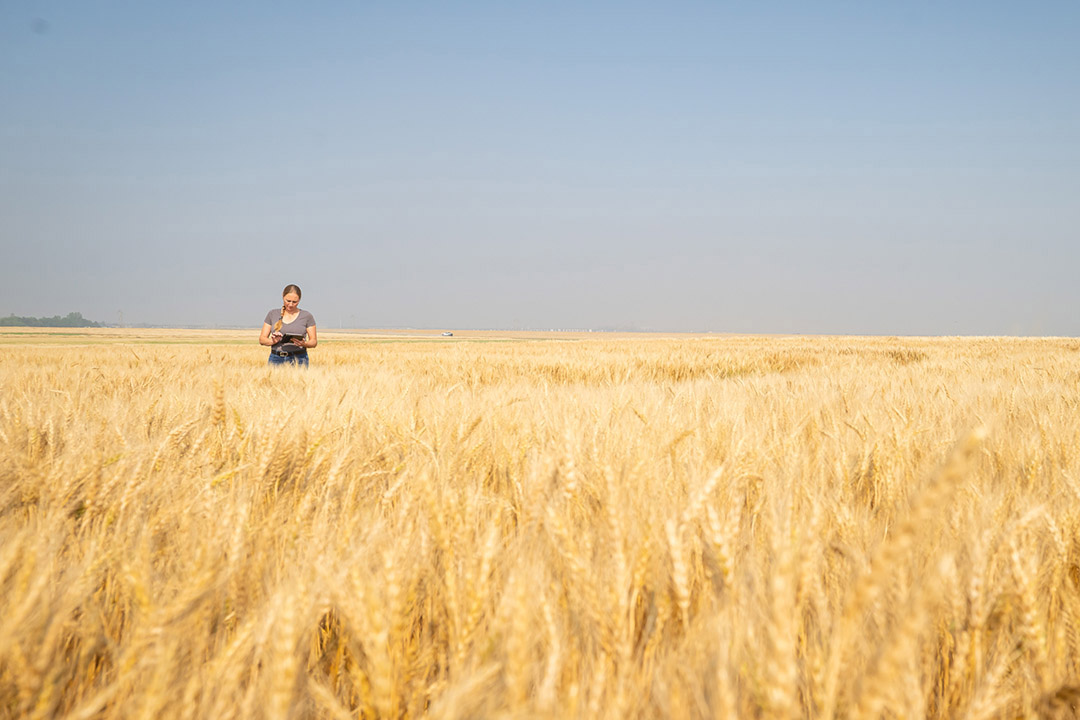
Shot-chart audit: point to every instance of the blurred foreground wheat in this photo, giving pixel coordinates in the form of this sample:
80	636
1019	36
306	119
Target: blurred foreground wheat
755	527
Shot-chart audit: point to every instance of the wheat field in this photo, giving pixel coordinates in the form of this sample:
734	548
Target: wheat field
545	527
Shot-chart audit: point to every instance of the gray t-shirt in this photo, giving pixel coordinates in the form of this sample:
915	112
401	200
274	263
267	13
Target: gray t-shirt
299	326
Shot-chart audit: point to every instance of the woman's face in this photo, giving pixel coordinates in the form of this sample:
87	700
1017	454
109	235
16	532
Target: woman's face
291	301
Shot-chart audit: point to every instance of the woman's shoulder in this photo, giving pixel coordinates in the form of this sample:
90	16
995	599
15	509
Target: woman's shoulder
305	315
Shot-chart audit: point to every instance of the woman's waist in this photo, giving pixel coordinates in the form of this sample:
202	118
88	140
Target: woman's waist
287	349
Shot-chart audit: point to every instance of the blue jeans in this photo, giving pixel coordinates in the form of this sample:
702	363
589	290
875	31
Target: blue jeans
300	359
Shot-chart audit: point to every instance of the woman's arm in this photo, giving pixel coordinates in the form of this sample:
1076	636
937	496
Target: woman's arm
311	340
264	337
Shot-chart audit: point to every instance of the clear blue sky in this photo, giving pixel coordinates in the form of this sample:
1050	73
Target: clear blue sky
818	167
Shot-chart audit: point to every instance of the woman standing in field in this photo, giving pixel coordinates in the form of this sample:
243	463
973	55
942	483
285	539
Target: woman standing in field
289	331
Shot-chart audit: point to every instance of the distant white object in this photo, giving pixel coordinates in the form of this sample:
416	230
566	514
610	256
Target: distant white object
448	334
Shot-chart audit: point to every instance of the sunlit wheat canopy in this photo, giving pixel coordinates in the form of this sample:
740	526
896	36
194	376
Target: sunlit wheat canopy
538	525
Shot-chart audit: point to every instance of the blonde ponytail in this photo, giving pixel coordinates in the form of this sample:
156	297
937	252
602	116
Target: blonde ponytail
277	325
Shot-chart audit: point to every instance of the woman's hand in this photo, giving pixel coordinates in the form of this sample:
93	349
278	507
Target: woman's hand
268	336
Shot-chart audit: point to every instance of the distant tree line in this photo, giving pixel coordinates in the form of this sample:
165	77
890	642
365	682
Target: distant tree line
70	320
